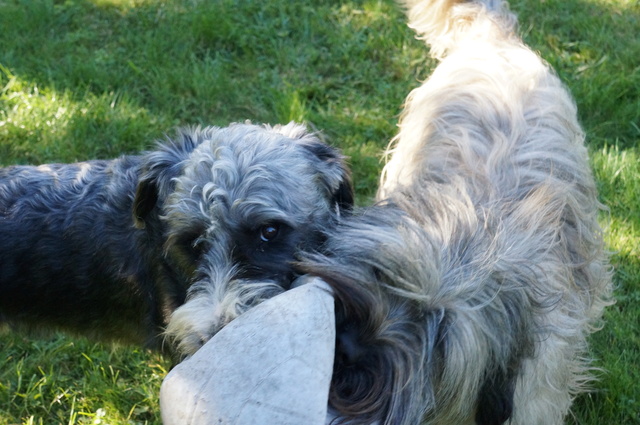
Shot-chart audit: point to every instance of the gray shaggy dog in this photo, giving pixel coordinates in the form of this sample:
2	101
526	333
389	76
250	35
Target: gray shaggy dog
466	295
109	249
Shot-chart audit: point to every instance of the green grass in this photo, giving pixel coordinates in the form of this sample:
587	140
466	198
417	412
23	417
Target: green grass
63	381
86	79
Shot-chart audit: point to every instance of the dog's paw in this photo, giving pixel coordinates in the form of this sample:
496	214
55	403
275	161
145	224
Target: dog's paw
212	307
193	324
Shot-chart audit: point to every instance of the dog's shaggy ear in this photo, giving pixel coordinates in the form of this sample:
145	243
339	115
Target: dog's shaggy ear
334	174
158	169
375	377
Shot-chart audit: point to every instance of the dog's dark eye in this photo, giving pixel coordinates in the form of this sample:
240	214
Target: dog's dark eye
268	232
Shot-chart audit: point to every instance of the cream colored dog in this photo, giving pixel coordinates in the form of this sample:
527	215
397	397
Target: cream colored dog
467	294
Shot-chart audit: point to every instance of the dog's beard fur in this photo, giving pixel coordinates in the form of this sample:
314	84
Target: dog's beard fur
466	295
109	249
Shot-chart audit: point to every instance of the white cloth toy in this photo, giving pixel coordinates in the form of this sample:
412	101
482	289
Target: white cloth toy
270	366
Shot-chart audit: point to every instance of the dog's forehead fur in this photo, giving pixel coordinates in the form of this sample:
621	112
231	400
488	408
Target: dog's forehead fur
248	174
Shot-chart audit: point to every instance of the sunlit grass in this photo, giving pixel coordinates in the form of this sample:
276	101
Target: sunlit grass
59	380
41	124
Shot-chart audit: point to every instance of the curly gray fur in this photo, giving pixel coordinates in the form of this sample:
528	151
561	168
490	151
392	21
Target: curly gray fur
110	249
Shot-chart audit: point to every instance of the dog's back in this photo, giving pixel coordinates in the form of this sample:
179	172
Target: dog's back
485	112
494	114
495	121
68	260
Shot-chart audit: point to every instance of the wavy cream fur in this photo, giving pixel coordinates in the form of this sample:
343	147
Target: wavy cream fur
467	294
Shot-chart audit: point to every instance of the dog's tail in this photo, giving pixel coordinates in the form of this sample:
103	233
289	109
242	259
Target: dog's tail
444	24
